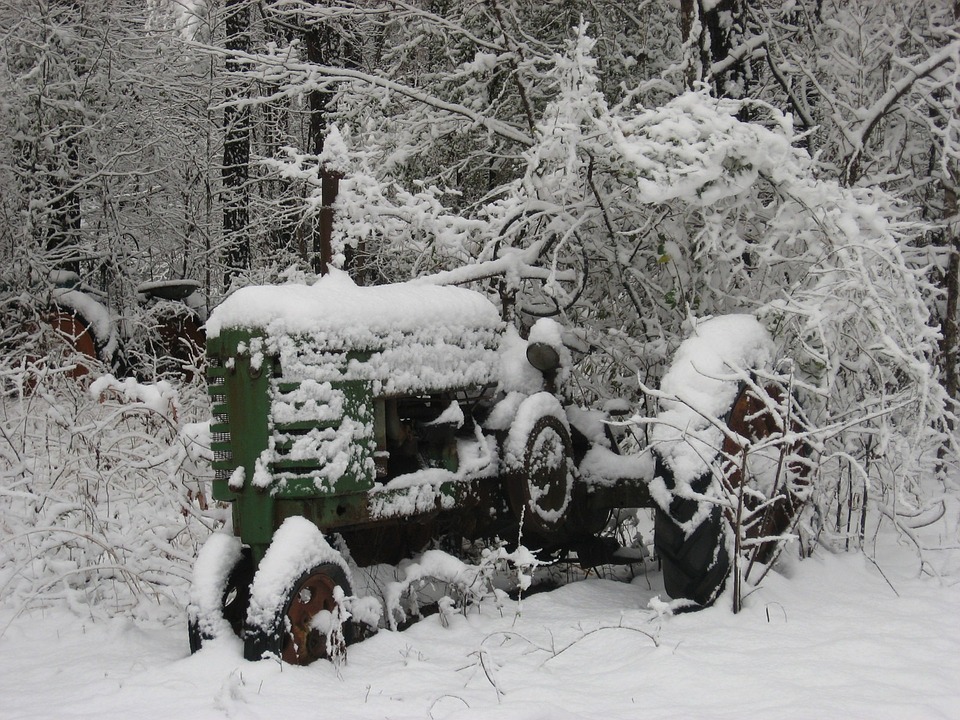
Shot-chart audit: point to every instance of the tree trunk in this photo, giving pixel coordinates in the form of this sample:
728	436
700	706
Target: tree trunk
317	37
286	232
714	33
950	326
236	148
325	46
63	239
62	232
952	282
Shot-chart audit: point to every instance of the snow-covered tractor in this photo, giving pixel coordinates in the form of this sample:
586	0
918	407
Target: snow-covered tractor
360	423
71	328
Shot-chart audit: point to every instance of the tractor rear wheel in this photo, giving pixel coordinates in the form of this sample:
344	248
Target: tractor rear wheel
750	418
696	566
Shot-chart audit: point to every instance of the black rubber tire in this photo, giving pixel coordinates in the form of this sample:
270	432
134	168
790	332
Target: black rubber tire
273	640
235	598
695	568
558	478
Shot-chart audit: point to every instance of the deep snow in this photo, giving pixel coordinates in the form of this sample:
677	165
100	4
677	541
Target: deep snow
834	640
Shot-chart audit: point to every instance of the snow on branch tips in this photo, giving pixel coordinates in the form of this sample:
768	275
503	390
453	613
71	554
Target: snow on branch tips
381	222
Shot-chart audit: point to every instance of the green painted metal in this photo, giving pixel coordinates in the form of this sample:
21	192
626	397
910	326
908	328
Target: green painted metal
242	388
278	480
309	477
286	446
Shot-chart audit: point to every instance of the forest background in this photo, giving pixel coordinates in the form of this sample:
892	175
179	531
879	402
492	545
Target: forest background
627	168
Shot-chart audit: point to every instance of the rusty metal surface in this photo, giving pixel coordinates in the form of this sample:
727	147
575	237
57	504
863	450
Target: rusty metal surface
752	419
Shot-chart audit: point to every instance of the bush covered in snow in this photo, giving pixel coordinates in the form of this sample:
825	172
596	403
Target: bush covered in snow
103	494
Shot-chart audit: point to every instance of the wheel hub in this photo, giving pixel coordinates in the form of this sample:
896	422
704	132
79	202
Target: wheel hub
304	643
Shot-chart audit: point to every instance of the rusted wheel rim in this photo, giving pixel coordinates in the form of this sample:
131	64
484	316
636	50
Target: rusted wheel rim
749	417
303	644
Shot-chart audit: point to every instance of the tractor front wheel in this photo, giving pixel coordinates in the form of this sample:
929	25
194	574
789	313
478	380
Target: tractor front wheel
297	611
310	625
539	479
220	592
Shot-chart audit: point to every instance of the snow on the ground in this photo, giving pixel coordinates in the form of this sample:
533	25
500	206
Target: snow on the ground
834	640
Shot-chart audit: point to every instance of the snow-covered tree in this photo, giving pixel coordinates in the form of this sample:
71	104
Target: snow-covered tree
646	219
631	170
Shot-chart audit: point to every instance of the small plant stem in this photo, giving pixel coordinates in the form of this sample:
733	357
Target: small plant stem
738	535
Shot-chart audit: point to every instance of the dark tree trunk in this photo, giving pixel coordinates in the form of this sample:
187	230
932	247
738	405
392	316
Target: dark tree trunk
951	332
951	321
236	148
319	38
63	236
691	31
287	233
713	34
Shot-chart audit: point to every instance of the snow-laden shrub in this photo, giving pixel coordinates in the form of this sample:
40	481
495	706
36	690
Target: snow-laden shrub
676	213
392	233
685	211
102	494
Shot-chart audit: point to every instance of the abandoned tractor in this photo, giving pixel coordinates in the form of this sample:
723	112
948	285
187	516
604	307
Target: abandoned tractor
388	416
70	331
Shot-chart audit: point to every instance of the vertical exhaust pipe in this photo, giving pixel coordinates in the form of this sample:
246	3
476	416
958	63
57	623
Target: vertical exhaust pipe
323	250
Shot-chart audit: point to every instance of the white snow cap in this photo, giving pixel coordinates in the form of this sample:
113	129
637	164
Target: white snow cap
547	331
95	314
335	155
335	304
703	379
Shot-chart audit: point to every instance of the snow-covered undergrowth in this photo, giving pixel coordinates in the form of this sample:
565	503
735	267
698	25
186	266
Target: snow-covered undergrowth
102	495
102	512
463	587
104	506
